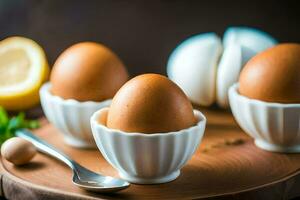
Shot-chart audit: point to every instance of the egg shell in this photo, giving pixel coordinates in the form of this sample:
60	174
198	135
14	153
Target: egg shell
18	150
251	40
240	44
87	71
228	72
150	103
193	65
273	75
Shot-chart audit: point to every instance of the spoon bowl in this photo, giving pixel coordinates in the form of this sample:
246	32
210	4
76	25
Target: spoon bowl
91	181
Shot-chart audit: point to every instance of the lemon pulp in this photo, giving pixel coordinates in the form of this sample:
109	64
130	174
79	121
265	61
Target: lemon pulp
23	69
15	65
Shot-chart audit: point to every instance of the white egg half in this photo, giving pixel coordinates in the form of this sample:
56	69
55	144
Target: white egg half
252	41
228	72
240	44
193	65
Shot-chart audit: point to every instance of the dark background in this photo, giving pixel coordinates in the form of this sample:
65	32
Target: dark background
142	33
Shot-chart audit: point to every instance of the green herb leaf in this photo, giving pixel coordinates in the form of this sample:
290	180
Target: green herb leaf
3	117
8	126
32	124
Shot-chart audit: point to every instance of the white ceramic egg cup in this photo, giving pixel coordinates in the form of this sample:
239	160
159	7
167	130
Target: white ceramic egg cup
274	126
147	158
71	117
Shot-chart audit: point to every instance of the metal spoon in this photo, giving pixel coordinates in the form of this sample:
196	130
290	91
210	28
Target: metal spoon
82	177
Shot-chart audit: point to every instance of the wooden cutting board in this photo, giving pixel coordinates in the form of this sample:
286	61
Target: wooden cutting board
227	165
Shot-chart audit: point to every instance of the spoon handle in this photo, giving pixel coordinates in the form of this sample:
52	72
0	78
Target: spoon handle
46	148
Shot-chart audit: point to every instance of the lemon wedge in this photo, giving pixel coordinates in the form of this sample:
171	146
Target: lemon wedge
23	69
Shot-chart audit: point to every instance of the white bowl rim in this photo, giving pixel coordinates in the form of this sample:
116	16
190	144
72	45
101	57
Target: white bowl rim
45	91
200	123
234	91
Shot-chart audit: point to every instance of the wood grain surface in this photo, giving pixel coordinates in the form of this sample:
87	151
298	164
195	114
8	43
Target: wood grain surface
227	165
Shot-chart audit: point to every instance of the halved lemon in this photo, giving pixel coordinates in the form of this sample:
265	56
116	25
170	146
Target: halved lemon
23	69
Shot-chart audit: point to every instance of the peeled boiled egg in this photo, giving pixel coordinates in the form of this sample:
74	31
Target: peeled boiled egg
205	69
18	150
193	65
273	75
150	103
87	71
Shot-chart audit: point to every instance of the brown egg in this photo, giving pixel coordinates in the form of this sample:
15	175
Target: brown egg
150	103
18	150
87	71
273	75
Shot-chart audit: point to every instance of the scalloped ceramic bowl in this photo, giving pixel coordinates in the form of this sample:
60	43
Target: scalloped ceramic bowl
147	158
274	126
71	117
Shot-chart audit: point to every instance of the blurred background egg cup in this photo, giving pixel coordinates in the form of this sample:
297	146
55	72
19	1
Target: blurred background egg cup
71	117
274	126
147	158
